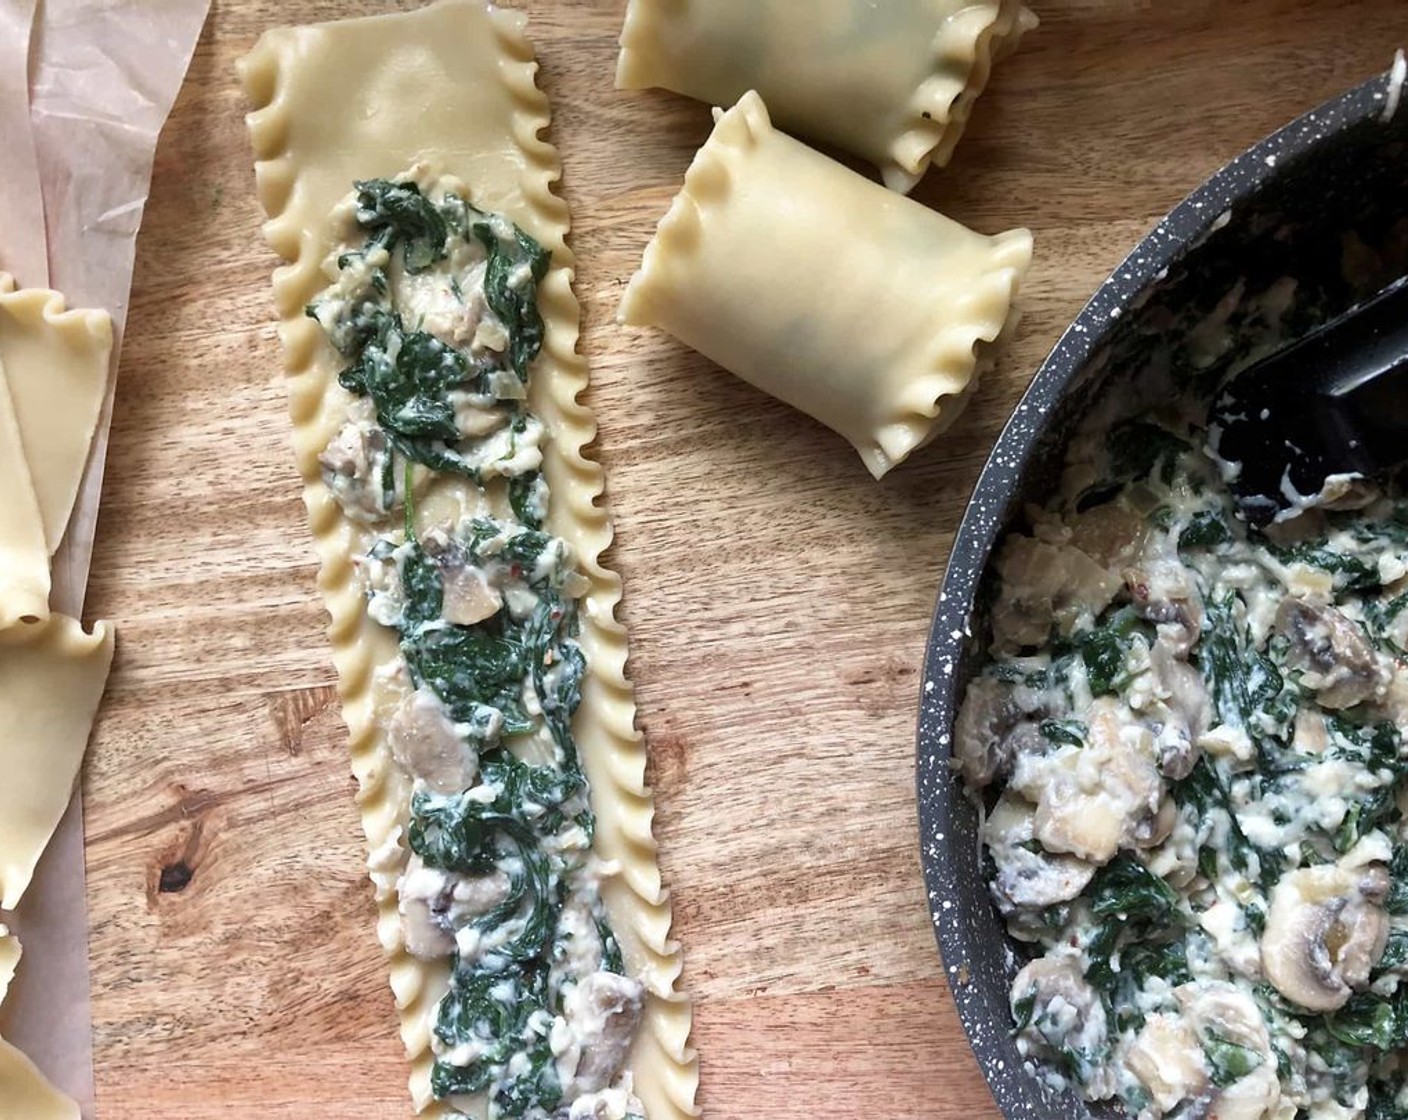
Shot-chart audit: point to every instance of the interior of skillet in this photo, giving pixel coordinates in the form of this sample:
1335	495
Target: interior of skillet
1321	204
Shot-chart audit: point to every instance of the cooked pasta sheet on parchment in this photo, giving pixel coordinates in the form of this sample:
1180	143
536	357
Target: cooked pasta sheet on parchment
858	306
429	331
891	82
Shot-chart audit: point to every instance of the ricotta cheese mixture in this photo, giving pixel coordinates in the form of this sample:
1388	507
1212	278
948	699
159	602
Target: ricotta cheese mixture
433	304
1189	738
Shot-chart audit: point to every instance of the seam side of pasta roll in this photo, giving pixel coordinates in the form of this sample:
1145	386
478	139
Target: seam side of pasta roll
881	342
484	127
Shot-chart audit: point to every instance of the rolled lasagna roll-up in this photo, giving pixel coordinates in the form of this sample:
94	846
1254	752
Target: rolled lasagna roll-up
891	82
856	305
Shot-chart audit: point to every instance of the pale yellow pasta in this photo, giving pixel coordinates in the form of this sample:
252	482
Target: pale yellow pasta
52	676
892	82
24	558
452	85
56	364
25	1093
856	305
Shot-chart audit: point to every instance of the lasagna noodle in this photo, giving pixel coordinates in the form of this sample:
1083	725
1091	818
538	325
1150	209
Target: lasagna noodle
24	559
56	363
856	305
9	959
52	676
892	82
453	85
24	1091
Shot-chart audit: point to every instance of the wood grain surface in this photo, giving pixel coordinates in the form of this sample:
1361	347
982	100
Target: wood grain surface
778	598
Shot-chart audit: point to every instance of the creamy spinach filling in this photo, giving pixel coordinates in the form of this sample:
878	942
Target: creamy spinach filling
433	305
1189	739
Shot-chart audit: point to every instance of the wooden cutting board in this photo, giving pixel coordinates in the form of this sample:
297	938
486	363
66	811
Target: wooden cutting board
778	598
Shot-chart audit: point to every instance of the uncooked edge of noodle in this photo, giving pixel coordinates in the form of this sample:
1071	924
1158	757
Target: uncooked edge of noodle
664	1067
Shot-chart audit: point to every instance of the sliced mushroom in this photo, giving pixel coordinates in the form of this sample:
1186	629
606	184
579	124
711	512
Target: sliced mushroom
423	929
1183	697
1094	800
1028	879
1311	736
1111	534
474	418
984	743
1325	931
468	596
1063	1015
1334	656
354	467
593	1035
433	904
1168	1060
1164	592
1252	1097
1222	1014
1221	1010
426	741
1046	585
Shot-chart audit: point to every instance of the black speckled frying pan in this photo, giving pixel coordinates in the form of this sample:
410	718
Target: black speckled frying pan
1323	202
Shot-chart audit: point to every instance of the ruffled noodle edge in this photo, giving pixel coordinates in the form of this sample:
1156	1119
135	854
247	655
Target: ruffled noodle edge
965	336
643	26
664	1067
75	329
965	49
708	183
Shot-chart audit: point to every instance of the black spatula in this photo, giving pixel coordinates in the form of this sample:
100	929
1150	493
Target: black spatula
1333	403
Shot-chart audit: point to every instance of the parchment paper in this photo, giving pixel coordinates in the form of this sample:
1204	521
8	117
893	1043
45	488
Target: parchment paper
102	77
22	247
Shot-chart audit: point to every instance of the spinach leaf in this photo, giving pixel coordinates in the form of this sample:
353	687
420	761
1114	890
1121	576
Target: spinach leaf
1395	952
522	549
1104	650
527	496
611	958
397	214
1350	572
1134	904
1365	815
1203	790
1124	887
1137	447
1380	616
1205	529
469	668
495	1008
1384	1098
1063	732
459	833
558	667
516	266
1397	901
421	586
408	376
1366	1021
1228	1060
1167	960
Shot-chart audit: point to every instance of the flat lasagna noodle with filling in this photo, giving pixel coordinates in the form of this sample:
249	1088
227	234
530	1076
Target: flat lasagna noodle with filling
372	138
856	305
891	82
